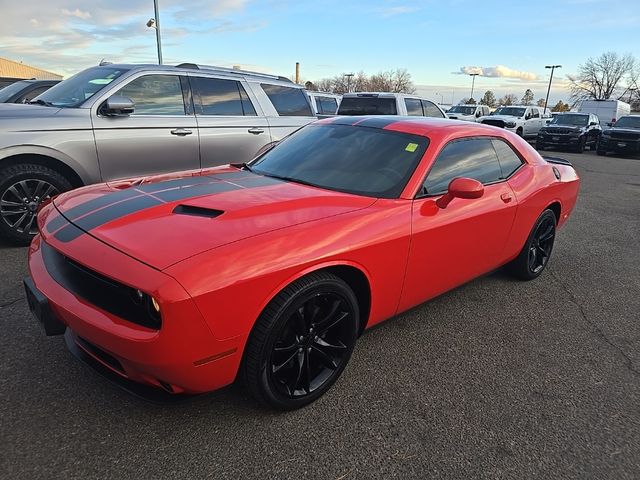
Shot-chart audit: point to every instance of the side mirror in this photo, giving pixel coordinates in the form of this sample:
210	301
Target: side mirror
461	188
591	124
118	106
478	114
548	120
609	124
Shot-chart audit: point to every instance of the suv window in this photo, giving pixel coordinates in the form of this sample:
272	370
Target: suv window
535	113
288	101
509	161
473	158
414	107
430	109
221	97
326	105
368	106
155	95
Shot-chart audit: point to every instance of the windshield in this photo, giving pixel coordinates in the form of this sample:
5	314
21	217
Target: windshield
368	106
628	122
574	120
346	158
511	111
463	110
82	86
10	90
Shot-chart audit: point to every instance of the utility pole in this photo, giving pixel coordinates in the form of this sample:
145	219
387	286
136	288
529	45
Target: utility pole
348	75
546	100
473	82
155	23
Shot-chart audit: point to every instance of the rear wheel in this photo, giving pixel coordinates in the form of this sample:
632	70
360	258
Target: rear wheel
23	188
535	254
601	151
302	341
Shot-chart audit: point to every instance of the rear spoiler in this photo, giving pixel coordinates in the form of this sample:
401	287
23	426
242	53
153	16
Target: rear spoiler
557	160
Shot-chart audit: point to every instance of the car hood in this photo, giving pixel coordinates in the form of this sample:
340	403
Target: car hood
163	220
611	130
21	110
460	115
506	118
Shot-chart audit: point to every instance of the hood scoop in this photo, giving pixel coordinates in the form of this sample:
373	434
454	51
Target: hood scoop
197	211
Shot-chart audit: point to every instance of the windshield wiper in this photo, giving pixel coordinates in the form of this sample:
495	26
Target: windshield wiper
289	179
41	102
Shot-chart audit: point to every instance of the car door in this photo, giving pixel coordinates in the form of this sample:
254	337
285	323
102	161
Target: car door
231	126
452	245
532	125
159	136
287	108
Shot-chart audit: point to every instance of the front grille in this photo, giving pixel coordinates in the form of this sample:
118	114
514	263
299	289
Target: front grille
625	136
560	131
495	123
93	287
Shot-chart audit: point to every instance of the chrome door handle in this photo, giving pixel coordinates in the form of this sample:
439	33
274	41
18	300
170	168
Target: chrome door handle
256	130
181	132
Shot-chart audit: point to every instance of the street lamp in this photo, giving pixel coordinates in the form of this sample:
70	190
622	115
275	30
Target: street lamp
441	98
473	82
155	23
348	75
552	67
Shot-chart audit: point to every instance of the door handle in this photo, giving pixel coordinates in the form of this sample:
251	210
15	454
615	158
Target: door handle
506	197
181	132
256	130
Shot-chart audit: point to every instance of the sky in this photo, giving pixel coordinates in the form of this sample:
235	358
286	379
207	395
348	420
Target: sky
438	41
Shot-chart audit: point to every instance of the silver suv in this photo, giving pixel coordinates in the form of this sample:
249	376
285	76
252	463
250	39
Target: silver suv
116	121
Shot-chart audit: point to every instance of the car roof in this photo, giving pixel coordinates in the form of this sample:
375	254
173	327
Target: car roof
192	67
414	125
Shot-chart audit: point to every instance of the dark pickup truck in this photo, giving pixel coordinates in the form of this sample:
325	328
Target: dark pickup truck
622	137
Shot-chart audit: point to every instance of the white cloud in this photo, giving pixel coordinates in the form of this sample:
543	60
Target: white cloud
398	10
76	13
499	71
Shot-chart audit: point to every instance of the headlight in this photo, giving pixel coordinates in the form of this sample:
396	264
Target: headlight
511	124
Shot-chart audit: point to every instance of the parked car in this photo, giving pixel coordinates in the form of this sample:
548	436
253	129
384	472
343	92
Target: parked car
470	113
622	137
324	104
385	103
607	111
524	120
570	130
23	91
116	121
268	272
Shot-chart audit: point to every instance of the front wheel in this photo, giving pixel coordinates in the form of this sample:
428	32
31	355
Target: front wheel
23	188
581	144
535	254
302	341
601	152
520	132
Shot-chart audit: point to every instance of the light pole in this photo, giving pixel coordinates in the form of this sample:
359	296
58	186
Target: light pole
473	82
348	75
155	23
441	98
546	100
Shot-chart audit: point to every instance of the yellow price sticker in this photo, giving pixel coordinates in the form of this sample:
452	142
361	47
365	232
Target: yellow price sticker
412	147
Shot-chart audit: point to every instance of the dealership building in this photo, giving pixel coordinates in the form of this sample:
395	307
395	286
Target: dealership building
11	71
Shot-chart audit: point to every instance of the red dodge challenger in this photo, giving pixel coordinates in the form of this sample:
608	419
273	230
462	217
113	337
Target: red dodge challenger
270	271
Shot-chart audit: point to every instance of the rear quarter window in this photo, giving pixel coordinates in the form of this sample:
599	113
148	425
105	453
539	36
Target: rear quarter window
430	109
288	102
509	161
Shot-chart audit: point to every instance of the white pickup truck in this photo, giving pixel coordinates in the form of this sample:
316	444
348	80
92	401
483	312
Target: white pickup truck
525	120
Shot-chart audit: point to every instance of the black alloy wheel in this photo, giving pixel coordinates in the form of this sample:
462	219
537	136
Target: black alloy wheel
535	255
23	188
302	342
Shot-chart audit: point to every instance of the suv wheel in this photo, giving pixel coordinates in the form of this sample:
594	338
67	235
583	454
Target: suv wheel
23	188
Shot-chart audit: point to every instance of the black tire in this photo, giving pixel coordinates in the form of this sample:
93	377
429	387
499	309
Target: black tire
539	146
520	132
581	144
535	254
313	325
601	152
23	187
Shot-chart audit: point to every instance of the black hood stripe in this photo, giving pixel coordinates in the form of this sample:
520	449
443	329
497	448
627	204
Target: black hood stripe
112	206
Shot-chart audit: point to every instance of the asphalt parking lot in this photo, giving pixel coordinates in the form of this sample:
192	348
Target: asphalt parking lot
497	379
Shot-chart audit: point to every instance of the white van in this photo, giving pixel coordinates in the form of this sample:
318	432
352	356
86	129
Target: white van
387	103
608	111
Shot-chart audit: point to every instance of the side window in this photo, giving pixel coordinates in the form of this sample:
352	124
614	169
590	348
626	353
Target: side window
155	95
329	106
535	113
221	97
30	95
509	161
414	107
430	109
473	158
288	101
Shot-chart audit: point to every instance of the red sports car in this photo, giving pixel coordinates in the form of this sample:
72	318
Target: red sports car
270	271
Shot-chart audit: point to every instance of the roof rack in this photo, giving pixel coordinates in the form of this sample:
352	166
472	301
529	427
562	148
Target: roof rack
234	71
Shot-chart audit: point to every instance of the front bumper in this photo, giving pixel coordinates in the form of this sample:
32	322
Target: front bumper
183	356
619	145
558	139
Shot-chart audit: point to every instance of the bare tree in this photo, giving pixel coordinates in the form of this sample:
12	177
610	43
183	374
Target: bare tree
540	102
398	81
527	99
608	76
561	107
508	99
